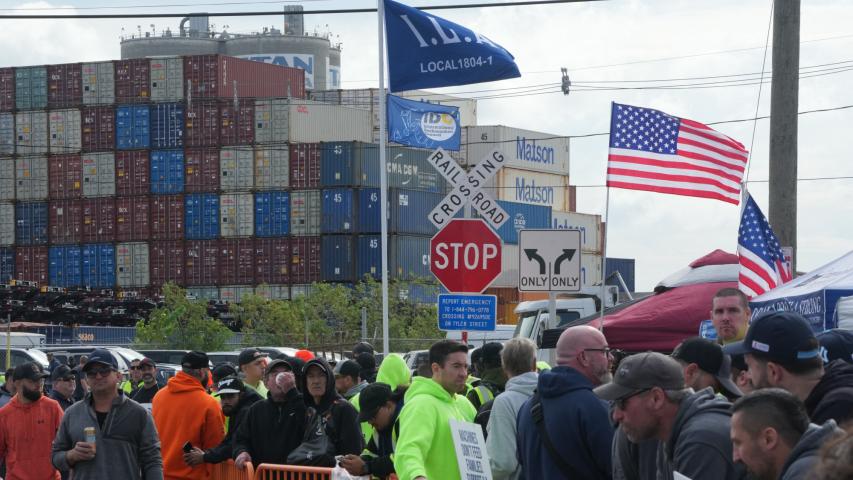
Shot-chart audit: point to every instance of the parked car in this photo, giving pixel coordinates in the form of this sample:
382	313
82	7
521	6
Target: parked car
222	357
23	355
122	355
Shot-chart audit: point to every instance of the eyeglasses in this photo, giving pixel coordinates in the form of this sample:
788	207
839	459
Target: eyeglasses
135	367
98	372
620	402
604	350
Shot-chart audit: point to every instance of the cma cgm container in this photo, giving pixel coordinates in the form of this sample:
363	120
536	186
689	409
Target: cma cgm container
132	219
167	262
167	171
522	216
236	261
201	169
65	266
305	259
202	262
357	164
236	217
7	223
31	178
236	122
201	126
31	223
272	167
271	121
337	263
98	129
132	80
7	89
236	168
31	263
98	83
167	125
305	208
7	179
99	174
7	264
347	210
31	88
219	76
65	176
167	217
589	226
132	170
31	133
99	265
99	219
272	214
304	165
272	260
409	209
167	79
65	131
133	127
132	265
202	216
64	85
65	220
7	134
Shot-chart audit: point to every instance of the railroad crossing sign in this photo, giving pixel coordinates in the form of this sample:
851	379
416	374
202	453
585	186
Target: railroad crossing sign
467	188
549	260
465	256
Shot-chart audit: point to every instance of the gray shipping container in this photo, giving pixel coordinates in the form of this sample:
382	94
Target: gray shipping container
7	134
99	83
305	212
7	223
99	174
31	132
271	121
7	179
235	293
237	215
236	168
300	290
132	265
312	122
64	131
31	178
167	79
273	292
272	167
204	293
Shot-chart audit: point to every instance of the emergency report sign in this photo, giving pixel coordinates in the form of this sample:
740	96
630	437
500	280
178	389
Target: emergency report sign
467	312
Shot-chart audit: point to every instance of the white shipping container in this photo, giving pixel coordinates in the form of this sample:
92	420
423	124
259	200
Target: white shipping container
534	188
590	269
167	79
7	133
236	168
272	167
31	133
271	121
305	212
99	174
273	292
236	215
7	179
300	290
589	226
31	178
524	149
509	268
99	83
235	294
65	133
132	265
312	122
203	293
7	223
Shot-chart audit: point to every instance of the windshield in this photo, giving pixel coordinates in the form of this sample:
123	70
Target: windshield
524	327
38	355
563	317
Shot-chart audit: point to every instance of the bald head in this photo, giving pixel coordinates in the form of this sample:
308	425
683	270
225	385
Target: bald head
585	349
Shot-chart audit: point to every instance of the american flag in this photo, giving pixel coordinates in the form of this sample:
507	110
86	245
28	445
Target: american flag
762	263
653	151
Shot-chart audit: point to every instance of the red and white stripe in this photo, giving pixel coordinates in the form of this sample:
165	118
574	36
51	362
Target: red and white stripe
757	276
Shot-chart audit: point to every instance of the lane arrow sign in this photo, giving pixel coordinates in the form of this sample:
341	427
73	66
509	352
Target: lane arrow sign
532	255
567	255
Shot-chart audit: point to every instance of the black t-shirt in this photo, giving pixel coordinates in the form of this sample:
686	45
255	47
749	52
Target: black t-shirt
145	395
102	417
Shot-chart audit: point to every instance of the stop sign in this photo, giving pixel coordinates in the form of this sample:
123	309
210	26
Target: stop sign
465	256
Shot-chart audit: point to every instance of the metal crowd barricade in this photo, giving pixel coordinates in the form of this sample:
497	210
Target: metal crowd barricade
229	471
269	471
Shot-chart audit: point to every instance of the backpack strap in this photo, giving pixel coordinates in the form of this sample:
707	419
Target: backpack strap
538	415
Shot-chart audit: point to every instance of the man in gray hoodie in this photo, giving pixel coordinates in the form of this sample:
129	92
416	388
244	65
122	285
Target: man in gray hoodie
518	358
772	436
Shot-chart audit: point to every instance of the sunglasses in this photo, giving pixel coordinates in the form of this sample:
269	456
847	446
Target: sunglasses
98	372
135	367
620	402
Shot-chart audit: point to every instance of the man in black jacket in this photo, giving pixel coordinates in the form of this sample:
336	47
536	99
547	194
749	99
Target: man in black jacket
380	407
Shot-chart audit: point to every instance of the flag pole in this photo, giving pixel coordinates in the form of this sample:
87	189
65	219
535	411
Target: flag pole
604	257
383	176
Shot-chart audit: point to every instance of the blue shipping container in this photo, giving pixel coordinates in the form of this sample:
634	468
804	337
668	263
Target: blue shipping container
409	209
99	265
349	164
336	263
347	210
167	125
625	267
408	257
7	263
522	216
417	292
272	214
201	216
64	266
133	127
31	223
368	257
167	171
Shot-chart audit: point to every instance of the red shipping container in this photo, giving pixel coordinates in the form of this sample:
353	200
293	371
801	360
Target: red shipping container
167	217
237	124
98	125
201	170
202	266
99	220
132	77
304	165
132	222
132	172
216	76
7	89
167	262
201	124
272	260
65	221
304	259
31	263
236	261
65	176
64	85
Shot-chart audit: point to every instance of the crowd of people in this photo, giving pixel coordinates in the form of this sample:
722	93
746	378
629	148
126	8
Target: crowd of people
765	400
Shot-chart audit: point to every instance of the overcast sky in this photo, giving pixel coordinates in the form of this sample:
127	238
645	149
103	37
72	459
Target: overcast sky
599	41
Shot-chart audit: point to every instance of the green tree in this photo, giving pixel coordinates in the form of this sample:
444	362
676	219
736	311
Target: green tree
269	322
181	324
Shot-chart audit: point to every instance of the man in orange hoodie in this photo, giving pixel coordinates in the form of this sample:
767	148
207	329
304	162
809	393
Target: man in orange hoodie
185	413
28	424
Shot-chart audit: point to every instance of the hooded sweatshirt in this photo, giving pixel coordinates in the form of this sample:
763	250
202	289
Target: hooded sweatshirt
577	422
832	397
26	436
806	452
699	445
425	446
392	372
502	429
222	452
184	412
271	429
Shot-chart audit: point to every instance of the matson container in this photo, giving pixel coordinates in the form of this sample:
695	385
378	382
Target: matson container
31	178
99	265
202	170
99	219
269	292
132	265
167	171
409	209
7	89
271	121
31	133
167	217
236	215
589	226
219	76
167	79
590	269
346	210
272	167
7	266
408	257
31	263
167	262
534	188
99	174
305	212
133	124
65	220
65	176
132	172
7	223
272	260
236	168
201	212
525	149
202	262
7	134
64	85
337	263
98	83
7	179
236	261
304	165
98	129
31	224
311	122
132	219
132	80
65	266
272	214
201	126
167	125
305	259
236	122
31	88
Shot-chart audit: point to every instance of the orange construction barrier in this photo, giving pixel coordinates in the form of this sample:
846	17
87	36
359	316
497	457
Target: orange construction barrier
269	471
229	471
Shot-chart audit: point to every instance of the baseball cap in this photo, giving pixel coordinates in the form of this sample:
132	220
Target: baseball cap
371	399
278	362
640	372
62	372
195	360
29	371
101	356
782	337
230	385
147	361
492	354
249	355
362	347
223	370
836	344
709	357
347	368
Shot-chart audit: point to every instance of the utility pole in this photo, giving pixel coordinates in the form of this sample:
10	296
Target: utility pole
783	123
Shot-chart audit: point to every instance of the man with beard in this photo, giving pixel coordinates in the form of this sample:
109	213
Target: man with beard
27	426
144	395
63	386
134	380
730	315
564	430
